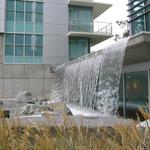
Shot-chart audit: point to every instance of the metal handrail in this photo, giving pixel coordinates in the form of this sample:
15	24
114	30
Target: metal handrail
90	26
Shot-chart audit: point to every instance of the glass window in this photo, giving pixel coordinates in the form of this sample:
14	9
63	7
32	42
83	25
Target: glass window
10	26
138	25
39	51
29	27
28	39
19	39
38	28
39	7
80	19
136	91
19	27
78	47
39	40
9	50
19	16
9	39
18	50
19	5
28	17
10	5
28	51
28	6
148	22
39	17
10	16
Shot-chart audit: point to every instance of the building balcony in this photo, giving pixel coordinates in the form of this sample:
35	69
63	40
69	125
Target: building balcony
98	7
96	31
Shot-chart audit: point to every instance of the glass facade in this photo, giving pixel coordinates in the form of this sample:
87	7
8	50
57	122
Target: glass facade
78	47
24	32
80	19
133	93
139	15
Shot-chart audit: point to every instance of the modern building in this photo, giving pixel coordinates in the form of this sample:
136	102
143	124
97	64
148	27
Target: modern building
38	34
135	81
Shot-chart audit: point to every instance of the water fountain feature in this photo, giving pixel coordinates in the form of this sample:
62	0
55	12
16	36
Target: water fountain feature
92	81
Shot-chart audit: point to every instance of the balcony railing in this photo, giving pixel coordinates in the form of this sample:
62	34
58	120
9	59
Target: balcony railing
90	26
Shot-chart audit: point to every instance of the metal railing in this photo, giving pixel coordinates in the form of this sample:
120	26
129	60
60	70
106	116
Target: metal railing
90	26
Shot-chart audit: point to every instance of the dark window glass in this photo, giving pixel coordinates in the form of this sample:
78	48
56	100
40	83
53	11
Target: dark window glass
9	50
18	50
39	7
9	38
19	39
19	5
28	6
136	95
10	5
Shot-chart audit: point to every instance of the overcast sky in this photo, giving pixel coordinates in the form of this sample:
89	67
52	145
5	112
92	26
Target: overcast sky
118	11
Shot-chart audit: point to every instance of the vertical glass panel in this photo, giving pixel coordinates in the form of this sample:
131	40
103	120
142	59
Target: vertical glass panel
9	59
9	50
28	17
10	26
10	5
19	26
120	101
39	28
28	39
29	59
78	47
9	39
39	17
19	5
39	51
38	60
138	25
19	39
39	7
18	50
39	40
28	6
80	19
29	27
10	16
19	16
148	21
28	51
136	95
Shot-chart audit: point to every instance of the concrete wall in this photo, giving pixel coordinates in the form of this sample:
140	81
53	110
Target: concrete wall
55	31
34	78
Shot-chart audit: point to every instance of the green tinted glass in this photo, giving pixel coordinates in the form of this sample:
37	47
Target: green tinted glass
18	50
10	5
39	7
28	17
19	27
39	51
39	40
39	17
28	39
10	16
10	26
9	39
9	50
19	5
19	39
28	51
19	16
28	6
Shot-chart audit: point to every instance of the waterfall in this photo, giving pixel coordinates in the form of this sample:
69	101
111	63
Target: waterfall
92	81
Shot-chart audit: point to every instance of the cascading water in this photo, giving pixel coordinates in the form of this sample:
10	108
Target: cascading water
92	81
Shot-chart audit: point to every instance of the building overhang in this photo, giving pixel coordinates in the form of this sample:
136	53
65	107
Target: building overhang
98	7
95	38
138	49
